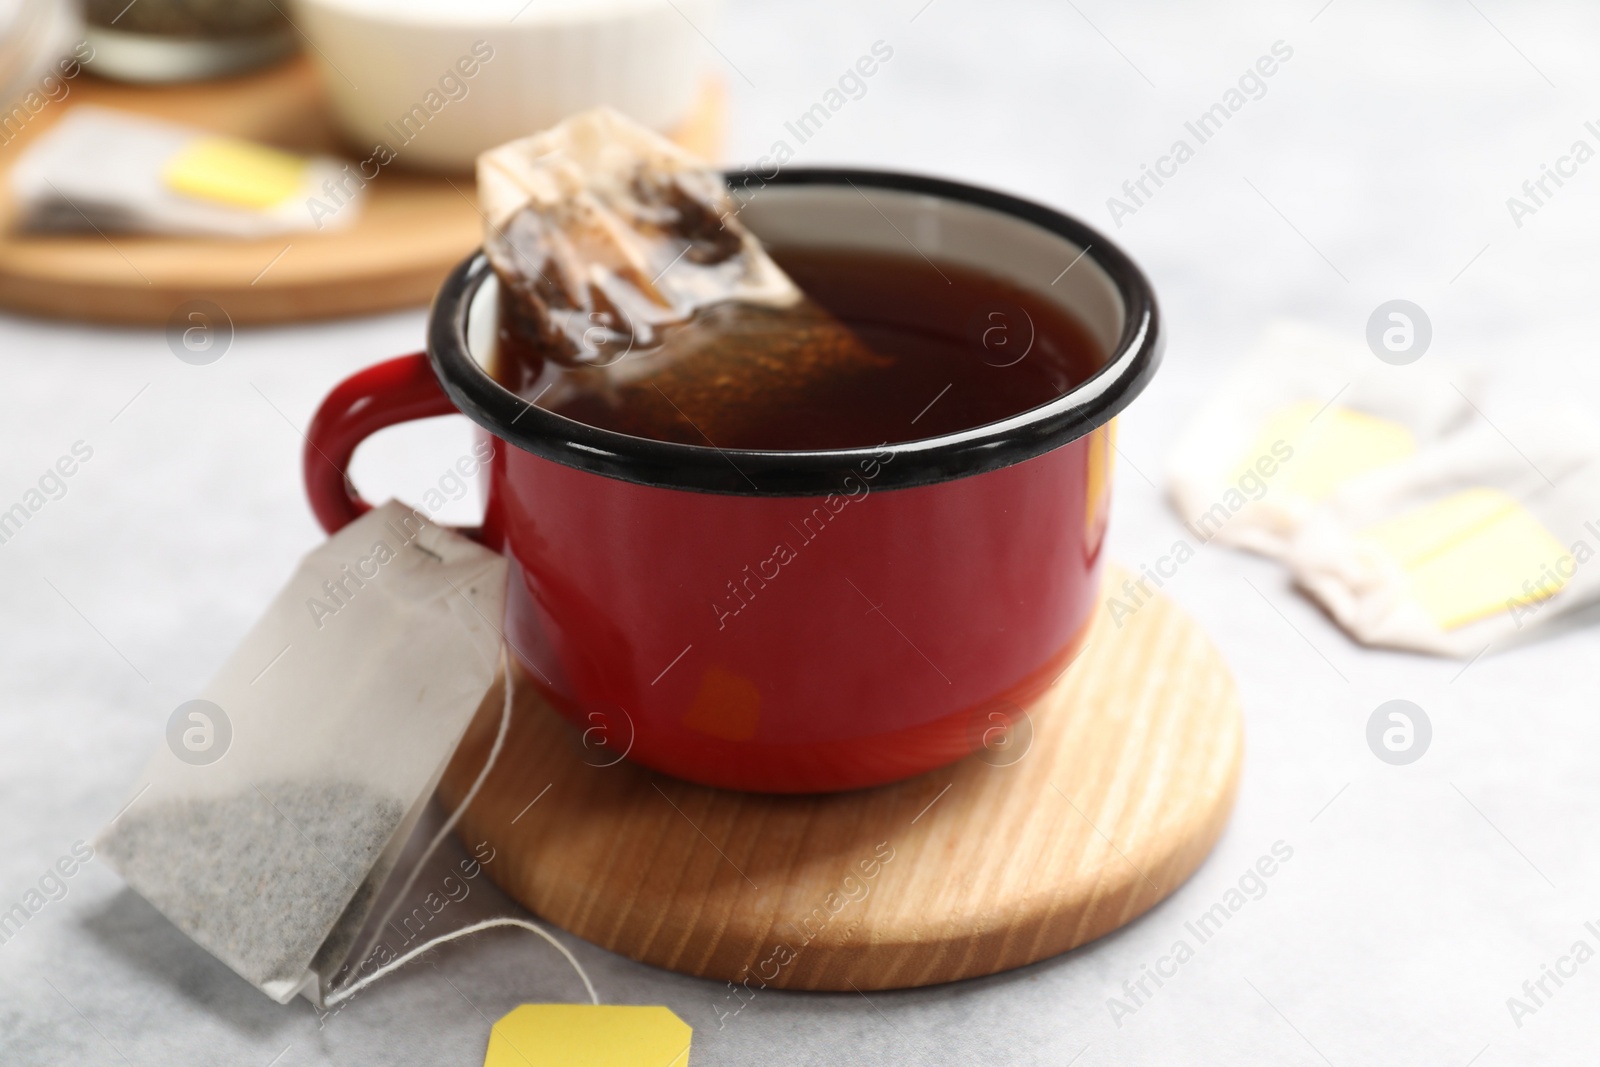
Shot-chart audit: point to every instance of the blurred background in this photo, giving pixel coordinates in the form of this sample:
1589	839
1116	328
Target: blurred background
1375	164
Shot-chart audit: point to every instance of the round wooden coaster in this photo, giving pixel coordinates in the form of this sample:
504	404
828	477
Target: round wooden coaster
1030	847
412	231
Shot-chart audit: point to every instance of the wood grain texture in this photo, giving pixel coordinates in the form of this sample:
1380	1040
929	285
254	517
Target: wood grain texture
1022	851
414	228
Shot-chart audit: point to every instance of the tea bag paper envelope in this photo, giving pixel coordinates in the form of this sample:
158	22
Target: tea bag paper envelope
264	828
119	171
1473	544
1300	416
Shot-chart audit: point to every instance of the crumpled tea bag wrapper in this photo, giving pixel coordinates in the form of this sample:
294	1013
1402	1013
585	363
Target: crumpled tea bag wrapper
265	825
1473	544
621	257
1302	415
108	170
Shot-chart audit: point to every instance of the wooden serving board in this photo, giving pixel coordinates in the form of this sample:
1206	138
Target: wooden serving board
413	229
1022	851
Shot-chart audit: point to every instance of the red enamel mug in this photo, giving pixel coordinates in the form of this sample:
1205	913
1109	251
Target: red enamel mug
793	621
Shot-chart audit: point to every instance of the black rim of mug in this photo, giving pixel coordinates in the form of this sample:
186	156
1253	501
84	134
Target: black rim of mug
927	461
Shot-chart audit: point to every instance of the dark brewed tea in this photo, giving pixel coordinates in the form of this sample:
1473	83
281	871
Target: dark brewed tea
937	348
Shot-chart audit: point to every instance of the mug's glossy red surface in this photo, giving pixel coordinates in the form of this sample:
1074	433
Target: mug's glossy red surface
796	622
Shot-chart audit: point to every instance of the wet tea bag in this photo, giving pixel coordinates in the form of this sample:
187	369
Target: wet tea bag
1472	544
281	801
1296	419
620	256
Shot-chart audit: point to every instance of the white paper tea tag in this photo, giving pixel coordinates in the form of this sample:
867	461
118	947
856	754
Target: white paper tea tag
266	825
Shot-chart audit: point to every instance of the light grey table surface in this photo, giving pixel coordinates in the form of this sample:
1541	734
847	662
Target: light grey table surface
1418	899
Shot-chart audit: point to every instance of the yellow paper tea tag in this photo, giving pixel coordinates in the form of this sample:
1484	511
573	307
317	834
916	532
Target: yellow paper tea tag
236	173
1470	555
589	1035
1330	448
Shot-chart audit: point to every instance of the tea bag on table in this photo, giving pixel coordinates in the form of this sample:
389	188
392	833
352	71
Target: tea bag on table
116	171
282	799
621	255
1302	415
1472	544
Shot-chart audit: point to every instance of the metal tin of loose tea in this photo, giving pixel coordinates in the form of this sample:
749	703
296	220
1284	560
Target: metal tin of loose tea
185	40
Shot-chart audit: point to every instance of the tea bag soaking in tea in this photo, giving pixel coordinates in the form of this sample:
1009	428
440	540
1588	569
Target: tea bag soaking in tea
633	298
279	805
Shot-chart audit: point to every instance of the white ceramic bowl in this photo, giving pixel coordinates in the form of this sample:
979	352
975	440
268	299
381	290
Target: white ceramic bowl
34	34
438	81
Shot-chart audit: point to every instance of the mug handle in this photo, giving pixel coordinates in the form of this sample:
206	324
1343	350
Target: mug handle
399	390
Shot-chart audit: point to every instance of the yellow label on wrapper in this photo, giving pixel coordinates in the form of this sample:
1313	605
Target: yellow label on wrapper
1471	555
589	1035
1331	446
236	173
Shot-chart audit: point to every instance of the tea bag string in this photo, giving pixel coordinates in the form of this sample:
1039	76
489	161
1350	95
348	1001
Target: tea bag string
340	996
349	991
455	816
